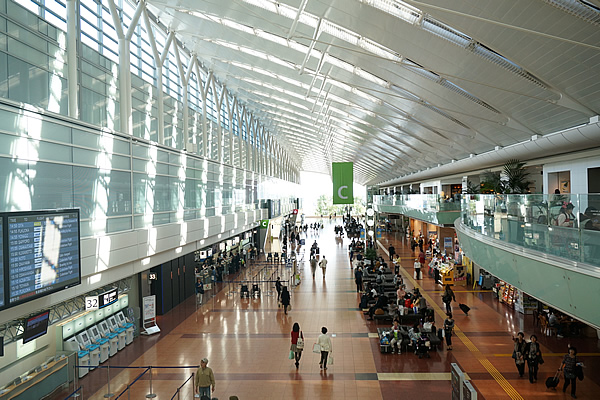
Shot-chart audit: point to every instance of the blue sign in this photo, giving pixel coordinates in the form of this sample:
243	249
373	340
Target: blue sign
362	233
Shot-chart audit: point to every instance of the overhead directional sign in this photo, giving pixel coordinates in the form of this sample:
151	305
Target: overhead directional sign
343	180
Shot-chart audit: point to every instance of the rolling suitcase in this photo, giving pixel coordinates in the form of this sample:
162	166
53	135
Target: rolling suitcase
464	308
552	381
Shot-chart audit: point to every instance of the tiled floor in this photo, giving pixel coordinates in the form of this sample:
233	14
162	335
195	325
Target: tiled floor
247	343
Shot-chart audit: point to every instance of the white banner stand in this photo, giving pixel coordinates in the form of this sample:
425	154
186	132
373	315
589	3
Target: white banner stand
149	316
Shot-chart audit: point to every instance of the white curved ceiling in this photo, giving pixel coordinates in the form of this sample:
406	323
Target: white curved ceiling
397	87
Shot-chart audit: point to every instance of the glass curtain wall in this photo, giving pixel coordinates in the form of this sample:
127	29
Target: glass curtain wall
119	181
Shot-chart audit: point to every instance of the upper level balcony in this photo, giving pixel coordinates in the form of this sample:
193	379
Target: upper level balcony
431	208
564	225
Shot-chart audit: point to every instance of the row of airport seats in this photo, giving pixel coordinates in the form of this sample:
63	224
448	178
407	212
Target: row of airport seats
97	343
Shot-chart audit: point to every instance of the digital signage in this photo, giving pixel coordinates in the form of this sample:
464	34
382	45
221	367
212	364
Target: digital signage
43	253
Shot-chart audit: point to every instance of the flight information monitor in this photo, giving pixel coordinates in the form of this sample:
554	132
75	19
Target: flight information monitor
43	253
1	266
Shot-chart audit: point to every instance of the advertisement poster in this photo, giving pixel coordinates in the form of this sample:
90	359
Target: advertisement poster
149	307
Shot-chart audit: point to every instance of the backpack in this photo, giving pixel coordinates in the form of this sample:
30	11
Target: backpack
379	279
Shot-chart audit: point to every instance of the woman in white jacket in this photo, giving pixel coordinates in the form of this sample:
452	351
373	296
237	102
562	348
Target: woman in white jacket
325	342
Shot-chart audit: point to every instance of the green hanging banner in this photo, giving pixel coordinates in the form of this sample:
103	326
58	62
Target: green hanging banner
264	223
343	181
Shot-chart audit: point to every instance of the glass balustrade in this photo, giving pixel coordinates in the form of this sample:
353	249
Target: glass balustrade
565	225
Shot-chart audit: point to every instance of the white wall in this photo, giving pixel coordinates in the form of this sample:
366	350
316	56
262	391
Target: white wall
577	168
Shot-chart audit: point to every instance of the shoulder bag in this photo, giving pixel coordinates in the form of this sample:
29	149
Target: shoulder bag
300	344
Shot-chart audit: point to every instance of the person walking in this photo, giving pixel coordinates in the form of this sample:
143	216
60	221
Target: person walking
323	265
199	291
568	366
417	266
391	251
285	298
313	265
534	356
297	343
324	342
278	288
447	298
519	353
448	330
204	379
358	278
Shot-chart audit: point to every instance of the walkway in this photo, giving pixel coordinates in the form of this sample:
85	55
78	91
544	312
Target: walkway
247	343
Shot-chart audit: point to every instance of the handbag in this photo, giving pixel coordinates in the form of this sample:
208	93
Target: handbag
289	307
514	354
518	358
300	344
540	359
330	359
317	348
291	356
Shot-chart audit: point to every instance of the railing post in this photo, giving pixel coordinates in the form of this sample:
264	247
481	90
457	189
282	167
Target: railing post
150	395
108	394
76	380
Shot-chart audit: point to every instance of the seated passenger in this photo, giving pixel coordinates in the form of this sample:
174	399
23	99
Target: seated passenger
396	337
381	302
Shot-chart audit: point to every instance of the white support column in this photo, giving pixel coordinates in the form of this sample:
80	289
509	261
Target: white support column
186	104
72	49
231	109
207	150
185	80
124	38
219	125
246	122
202	150
159	61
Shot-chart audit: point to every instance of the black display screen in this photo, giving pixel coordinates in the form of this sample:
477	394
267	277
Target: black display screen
36	326
43	253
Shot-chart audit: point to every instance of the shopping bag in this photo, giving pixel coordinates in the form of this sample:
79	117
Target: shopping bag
317	348
300	344
330	359
291	356
289	308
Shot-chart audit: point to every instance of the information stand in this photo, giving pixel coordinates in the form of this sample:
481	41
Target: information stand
458	378
149	316
469	392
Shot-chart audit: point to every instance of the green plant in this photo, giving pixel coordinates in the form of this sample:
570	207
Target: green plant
512	180
516	178
371	254
471	189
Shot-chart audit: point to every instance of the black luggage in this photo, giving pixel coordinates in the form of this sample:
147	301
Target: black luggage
552	381
245	292
363	302
465	308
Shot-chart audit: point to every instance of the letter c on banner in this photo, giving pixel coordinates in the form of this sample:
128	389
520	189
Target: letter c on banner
340	192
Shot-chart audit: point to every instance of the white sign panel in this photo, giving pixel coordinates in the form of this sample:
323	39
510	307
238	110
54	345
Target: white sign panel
91	303
149	307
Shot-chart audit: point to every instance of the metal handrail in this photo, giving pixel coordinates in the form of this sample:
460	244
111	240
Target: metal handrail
183	384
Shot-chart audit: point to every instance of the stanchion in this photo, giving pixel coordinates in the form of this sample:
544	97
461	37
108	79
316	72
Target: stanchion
76	381
151	395
108	394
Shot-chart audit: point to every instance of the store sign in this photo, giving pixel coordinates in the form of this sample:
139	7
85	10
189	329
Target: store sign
264	224
447	242
343	182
